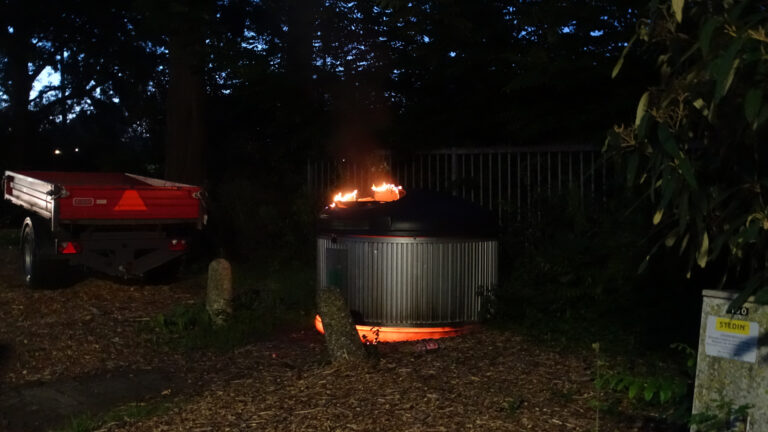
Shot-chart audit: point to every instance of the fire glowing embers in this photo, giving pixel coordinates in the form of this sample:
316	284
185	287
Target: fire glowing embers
386	192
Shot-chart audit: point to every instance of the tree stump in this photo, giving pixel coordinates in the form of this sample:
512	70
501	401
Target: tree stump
341	337
219	293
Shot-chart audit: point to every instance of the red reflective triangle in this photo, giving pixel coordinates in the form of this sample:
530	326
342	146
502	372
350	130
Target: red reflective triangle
70	248
130	201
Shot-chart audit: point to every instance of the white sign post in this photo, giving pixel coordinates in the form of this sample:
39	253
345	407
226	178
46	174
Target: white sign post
732	339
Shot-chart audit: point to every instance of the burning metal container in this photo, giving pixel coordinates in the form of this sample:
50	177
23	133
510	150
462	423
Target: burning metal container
416	267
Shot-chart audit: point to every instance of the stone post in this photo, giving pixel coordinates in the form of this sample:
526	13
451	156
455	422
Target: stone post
219	293
341	337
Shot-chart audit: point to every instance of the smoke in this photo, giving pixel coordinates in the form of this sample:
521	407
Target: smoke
362	118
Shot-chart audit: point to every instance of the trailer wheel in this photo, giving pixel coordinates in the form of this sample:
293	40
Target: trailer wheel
38	271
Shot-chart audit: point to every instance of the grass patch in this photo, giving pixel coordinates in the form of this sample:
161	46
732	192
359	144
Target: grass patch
266	301
127	413
189	327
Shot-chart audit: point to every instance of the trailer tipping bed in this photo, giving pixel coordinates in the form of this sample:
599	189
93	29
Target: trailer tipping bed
84	197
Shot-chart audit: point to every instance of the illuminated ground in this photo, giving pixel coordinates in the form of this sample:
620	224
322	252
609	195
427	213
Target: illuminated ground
491	380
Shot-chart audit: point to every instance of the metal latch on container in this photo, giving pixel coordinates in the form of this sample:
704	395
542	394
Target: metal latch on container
57	192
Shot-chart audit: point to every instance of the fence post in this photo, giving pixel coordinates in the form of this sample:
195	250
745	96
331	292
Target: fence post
498	183
454	192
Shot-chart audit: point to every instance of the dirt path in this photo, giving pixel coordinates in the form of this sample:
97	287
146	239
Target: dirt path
42	406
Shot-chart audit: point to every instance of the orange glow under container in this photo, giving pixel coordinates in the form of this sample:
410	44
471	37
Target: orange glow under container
402	334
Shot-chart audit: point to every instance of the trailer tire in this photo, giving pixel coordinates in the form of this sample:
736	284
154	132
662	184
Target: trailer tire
38	270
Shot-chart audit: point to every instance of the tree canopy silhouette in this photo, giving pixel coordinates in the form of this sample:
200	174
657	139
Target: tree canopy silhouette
184	88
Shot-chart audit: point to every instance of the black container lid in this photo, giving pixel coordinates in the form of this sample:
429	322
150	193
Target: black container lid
418	213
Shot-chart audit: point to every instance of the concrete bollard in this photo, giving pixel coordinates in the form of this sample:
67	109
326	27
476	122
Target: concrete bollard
219	293
732	364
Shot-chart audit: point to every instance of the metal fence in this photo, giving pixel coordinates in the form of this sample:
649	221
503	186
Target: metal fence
515	182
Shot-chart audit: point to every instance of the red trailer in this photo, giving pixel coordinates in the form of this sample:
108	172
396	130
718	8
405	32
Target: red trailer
120	224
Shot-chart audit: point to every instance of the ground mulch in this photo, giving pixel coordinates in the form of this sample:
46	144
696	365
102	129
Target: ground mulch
487	381
86	328
491	380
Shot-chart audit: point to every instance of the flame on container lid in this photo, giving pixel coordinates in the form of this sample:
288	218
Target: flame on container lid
386	192
349	196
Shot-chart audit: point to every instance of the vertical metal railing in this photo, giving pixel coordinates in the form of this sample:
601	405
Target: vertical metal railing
513	182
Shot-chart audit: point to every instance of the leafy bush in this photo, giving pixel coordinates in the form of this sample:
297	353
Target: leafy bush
660	388
670	385
573	277
697	144
655	384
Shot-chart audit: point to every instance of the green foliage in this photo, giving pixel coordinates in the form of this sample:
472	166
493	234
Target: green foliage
652	383
723	416
658	388
122	414
690	358
190	328
697	146
262	305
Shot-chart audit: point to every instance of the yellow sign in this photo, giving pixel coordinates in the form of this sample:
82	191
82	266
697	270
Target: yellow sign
732	326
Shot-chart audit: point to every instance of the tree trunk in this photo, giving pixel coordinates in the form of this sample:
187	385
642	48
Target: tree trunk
298	47
185	135
341	337
298	64
19	86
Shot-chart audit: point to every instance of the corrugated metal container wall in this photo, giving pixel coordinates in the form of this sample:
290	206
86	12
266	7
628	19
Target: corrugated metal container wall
409	281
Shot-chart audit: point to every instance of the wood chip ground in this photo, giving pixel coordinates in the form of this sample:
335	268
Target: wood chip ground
490	380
